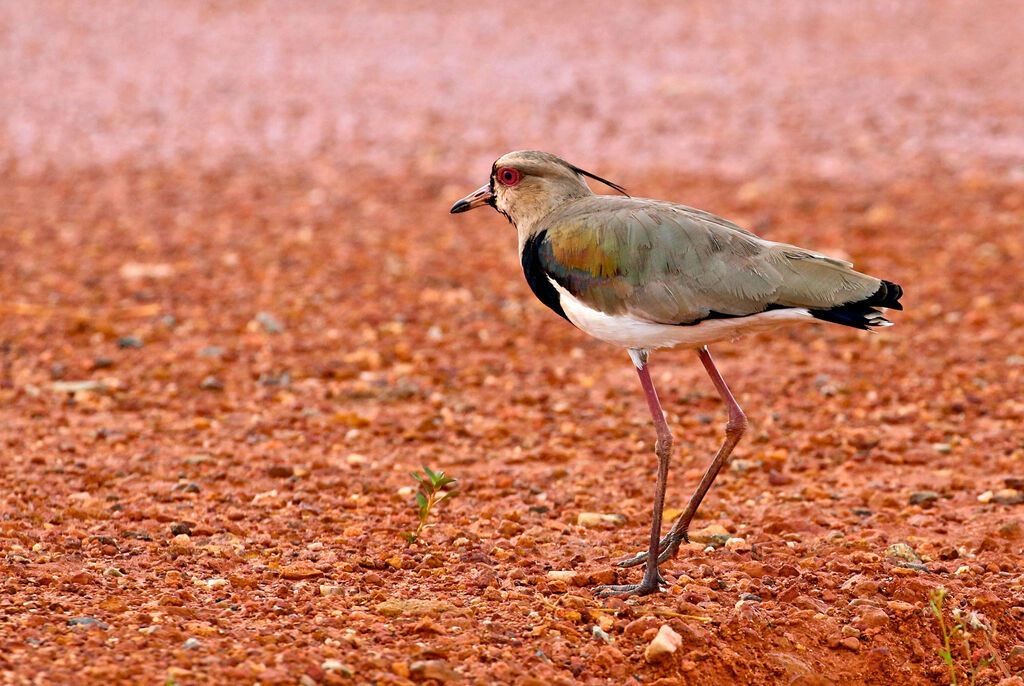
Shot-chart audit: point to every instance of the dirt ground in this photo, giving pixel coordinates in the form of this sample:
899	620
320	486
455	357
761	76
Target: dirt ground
235	316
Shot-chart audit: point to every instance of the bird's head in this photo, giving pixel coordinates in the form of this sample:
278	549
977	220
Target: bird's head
527	184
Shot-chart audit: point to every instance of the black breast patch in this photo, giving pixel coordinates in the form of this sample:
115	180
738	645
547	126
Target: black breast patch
537	278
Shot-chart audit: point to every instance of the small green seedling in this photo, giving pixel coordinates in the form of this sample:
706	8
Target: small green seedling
965	623
430	494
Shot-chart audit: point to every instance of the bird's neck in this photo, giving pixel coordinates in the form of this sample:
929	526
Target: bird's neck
528	217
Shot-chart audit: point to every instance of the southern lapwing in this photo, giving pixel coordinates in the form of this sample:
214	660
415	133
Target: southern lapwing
646	274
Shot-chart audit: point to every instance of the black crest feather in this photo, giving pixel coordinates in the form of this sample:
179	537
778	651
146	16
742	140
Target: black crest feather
595	177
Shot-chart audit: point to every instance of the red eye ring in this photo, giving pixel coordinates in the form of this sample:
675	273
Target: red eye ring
508	176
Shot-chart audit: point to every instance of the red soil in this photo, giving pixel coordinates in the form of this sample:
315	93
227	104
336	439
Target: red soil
243	480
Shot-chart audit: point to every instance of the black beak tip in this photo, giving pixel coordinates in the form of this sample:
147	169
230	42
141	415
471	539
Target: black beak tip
460	206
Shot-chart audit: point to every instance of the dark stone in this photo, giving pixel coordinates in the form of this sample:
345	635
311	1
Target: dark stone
923	497
182	528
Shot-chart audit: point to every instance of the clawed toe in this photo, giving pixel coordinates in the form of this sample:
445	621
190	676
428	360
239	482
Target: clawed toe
668	547
647	586
637	559
642	588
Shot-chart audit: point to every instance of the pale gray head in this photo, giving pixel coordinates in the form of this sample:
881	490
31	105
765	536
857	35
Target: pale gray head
527	184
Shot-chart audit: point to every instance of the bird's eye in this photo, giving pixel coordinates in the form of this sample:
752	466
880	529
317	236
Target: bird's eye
508	176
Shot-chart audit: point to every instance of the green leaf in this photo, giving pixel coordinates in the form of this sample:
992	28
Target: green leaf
421	500
426	470
449	494
410	536
417	476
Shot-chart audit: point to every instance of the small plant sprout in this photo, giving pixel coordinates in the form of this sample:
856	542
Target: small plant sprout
960	633
431	493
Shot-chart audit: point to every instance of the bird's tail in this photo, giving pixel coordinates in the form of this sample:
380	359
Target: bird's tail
862	314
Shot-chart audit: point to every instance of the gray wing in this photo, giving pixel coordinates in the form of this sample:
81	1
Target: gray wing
672	264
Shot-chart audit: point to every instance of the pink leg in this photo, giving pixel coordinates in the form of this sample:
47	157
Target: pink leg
663	448
733	431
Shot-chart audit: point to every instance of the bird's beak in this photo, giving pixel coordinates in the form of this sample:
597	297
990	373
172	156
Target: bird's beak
481	196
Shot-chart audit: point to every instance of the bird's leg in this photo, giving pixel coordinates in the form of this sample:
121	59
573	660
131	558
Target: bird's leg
733	431
652	580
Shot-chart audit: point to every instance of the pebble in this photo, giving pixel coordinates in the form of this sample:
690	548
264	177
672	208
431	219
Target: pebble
307	680
211	383
566	575
282	379
129	342
192	643
715	536
901	607
874	616
598	519
902	551
1010	529
299	571
216	583
396	607
146	270
753	569
737	544
280	471
986	497
329	590
850	643
87	621
269	322
186	487
1009	496
922	497
598	632
79	386
665	643
432	669
113	571
336	666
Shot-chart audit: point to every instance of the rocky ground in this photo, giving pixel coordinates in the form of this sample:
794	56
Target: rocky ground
219	366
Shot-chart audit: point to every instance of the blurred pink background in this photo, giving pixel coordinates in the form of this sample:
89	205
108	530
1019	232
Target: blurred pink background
871	90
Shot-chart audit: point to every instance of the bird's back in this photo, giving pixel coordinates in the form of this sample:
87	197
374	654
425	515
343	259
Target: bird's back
671	264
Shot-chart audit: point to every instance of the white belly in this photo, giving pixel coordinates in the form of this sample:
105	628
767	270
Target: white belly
627	331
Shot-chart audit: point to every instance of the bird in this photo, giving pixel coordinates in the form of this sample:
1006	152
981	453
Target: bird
644	275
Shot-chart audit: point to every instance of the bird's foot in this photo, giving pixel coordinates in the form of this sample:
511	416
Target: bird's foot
667	549
651	583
